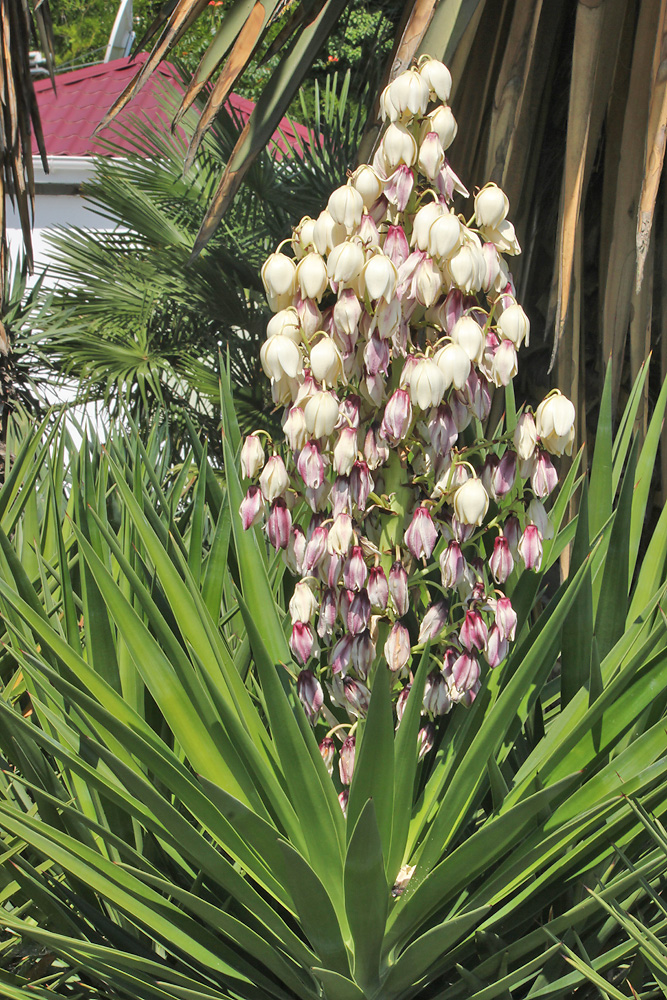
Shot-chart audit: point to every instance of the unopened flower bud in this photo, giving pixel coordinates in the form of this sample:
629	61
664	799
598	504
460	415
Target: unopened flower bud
328	750
504	364
525	436
310	693
303	603
396	245
471	502
436	694
310	465
398	187
378	588
252	508
501	562
279	524
355	571
530	547
397	417
425	739
359	613
316	549
433	621
361	484
346	760
473	632
302	236
431	155
274	479
465	672
544	477
363	653
506	618
421	535
252	456
296	548
452	565
328	609
376	451
536	514
397	648
398	588
497	647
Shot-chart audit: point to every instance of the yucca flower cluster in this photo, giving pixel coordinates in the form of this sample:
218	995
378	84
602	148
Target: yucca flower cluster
394	321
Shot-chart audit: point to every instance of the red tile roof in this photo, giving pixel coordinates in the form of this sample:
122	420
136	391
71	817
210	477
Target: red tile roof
83	96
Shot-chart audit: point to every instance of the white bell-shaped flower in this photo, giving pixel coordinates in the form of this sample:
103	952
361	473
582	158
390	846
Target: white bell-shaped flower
409	93
503	237
286	323
427	384
379	277
345	206
321	413
444	236
327	233
454	364
468	334
438	78
491	206
302	237
326	363
467	268
398	146
471	502
554	420
280	357
443	122
514	325
423	220
345	262
366	181
279	280
311	276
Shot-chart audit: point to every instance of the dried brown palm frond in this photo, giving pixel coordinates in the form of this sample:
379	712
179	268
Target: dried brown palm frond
24	26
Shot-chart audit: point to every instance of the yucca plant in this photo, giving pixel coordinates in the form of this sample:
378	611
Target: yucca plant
171	830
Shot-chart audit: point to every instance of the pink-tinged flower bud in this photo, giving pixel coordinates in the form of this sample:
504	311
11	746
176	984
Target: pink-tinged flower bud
373	389
376	356
378	588
361	484
303	604
504	475
501	562
310	465
376	451
431	155
492	266
368	232
525	436
397	417
425	739
318	497
461	415
465	672
303	642
252	508
363	653
397	647
341	501
294	428
448	183
310	693
326	362
347	313
454	364
398	187
355	571
343	799
252	456
476	395
359	613
357	696
398	588
316	549
348	413
491	463
452	565
346	760
401	702
279	525
471	502
396	245
274	479
473	632
433	622
345	206
296	548
497	647
506	618
505	364
328	751
530	548
421	534
321	413
436	694
345	451
310	317
328	608
514	325
544	478
341	655
442	432
334	566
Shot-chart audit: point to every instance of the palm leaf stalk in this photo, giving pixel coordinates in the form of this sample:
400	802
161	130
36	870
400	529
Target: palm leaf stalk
174	826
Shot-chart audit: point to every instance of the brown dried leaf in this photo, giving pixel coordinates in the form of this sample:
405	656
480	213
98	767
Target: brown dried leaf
654	154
